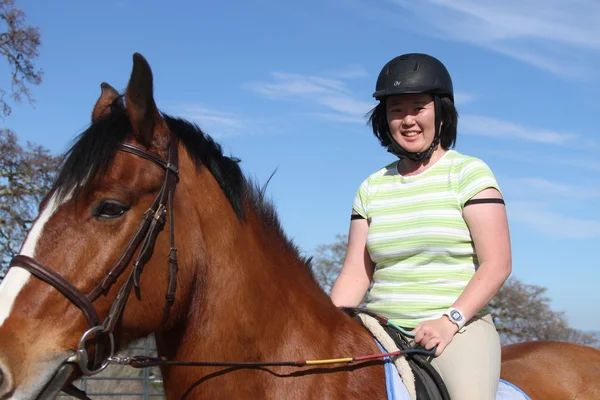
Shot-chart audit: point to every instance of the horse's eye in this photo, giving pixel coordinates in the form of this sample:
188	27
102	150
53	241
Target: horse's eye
108	209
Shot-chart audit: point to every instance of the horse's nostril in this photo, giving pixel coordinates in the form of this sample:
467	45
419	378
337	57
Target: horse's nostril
6	383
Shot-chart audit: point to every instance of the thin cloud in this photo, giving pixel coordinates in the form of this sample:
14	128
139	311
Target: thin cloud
538	216
542	187
336	102
346	105
462	98
339	118
216	123
353	71
578	162
286	84
486	126
555	35
545	19
542	158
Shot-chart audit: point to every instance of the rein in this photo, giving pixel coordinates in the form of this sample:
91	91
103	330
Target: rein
146	362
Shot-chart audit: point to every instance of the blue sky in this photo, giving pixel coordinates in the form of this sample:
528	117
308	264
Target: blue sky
285	86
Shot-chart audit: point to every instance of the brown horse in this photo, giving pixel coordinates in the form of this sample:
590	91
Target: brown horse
95	273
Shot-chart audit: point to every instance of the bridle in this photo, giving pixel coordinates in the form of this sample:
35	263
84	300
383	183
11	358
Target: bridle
147	232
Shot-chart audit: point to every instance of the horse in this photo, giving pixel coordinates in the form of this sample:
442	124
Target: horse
150	229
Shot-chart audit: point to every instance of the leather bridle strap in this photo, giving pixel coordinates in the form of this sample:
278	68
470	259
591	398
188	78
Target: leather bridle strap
171	168
146	235
119	267
151	226
59	283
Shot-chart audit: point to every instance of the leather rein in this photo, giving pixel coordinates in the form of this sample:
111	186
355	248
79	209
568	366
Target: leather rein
145	236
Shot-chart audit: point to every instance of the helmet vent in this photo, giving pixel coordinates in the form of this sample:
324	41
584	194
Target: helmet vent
416	68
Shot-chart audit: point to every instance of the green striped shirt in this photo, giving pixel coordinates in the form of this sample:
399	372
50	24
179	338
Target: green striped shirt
420	244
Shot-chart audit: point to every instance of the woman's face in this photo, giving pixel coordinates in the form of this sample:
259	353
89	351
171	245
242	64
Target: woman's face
411	118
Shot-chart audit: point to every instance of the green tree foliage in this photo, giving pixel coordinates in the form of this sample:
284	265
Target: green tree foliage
521	312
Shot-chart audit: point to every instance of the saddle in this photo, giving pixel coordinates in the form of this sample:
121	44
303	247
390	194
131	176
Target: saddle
428	383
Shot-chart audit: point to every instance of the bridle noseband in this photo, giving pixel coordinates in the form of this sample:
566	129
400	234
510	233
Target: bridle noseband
146	235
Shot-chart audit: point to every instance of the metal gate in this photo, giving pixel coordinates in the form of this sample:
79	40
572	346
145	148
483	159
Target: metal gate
125	382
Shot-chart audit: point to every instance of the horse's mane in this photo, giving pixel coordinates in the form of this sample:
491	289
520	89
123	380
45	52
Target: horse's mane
94	149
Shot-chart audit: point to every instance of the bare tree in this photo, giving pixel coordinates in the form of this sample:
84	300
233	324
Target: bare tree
328	261
521	312
26	175
19	45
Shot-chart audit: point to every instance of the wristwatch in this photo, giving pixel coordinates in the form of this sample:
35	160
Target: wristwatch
456	317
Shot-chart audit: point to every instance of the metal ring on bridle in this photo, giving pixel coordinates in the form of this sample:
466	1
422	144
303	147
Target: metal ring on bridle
81	355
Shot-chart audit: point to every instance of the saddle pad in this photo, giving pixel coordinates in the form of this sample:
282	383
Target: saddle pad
396	390
508	391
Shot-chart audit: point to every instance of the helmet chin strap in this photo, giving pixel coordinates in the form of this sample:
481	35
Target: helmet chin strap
399	152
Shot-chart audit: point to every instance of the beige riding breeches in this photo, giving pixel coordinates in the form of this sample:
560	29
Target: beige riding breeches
470	364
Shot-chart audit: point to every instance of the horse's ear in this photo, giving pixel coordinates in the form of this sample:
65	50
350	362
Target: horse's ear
109	98
145	118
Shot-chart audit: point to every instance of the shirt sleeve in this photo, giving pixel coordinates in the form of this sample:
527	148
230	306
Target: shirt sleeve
361	200
475	176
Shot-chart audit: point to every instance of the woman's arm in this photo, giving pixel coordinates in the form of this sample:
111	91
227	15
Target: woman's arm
489	228
355	276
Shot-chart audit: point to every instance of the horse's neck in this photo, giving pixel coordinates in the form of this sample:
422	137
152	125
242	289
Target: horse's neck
250	298
253	296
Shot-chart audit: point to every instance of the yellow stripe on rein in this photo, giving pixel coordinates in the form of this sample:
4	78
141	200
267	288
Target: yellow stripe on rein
331	361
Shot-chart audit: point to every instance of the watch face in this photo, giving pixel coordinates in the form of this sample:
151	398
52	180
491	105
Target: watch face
455	315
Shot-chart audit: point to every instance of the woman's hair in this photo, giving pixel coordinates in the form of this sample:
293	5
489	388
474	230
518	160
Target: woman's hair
378	121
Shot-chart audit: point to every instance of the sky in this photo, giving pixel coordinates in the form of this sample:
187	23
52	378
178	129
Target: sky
285	87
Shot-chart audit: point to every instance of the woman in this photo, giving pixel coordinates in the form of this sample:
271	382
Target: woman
429	231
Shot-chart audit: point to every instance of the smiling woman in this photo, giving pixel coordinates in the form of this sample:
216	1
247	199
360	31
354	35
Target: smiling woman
429	233
430	230
230	300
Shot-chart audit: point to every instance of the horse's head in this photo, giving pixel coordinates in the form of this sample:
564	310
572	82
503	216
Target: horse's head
62	302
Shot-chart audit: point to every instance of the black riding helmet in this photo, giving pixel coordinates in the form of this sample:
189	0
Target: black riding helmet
415	73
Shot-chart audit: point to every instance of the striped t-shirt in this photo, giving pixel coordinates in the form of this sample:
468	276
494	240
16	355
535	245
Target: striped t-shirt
420	244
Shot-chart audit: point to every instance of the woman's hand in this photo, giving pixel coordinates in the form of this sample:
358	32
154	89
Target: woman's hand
438	332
